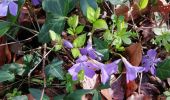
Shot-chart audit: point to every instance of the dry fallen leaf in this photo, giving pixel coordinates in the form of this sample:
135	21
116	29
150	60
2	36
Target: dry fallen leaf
107	93
134	52
90	83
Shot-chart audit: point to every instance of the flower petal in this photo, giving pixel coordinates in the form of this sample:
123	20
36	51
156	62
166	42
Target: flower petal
67	44
73	72
89	72
35	2
4	8
112	67
82	59
13	8
104	76
152	53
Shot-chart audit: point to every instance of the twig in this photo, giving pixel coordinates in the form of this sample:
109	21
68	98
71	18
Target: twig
43	71
29	74
140	83
19	41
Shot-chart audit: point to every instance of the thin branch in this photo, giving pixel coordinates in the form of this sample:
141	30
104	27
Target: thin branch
43	71
140	83
29	74
19	41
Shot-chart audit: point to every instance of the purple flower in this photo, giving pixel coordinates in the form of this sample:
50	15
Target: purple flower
149	61
82	64
90	66
67	44
131	71
88	50
36	2
107	70
13	7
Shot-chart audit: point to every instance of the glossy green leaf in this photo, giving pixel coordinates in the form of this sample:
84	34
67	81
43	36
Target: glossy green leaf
108	35
117	2
56	12
91	14
81	75
100	24
77	95
59	97
6	76
75	52
73	21
79	41
4	27
102	47
143	4
97	13
163	71
96	95
58	47
55	69
36	93
22	97
53	35
84	4
14	68
79	29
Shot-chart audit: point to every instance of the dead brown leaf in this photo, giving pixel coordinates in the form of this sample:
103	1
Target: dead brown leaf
107	93
134	52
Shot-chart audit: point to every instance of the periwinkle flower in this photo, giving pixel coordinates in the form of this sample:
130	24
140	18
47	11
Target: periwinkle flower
88	50
36	2
67	44
5	4
107	70
149	61
90	66
82	64
131	71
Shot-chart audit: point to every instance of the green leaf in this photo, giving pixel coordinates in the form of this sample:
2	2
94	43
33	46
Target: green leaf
73	21
79	29
117	2
96	95
56	12
53	35
59	97
102	47
91	14
126	40
79	41
97	13
107	35
36	93
58	47
14	68
70	31
81	75
84	4
55	69
143	4
77	95
75	52
4	27
100	24
163	71
6	76
22	97
27	59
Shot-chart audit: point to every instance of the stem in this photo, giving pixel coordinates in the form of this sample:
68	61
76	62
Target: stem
43	71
